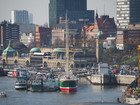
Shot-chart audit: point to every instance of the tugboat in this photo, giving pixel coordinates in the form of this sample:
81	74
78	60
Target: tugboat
67	83
3	95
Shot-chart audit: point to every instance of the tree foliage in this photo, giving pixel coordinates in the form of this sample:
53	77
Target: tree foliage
32	44
115	56
58	43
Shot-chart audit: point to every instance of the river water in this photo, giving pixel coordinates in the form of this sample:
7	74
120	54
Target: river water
87	94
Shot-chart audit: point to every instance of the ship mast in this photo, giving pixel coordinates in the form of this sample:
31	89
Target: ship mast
67	48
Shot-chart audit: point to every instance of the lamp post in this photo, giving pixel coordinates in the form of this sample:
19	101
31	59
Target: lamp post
98	46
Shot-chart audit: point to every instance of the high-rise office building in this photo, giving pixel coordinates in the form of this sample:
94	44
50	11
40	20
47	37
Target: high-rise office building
8	32
76	11
128	12
21	16
30	18
74	5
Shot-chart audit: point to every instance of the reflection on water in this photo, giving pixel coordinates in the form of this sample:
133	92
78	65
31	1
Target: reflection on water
87	94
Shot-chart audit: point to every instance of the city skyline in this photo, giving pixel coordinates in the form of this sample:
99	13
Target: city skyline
40	9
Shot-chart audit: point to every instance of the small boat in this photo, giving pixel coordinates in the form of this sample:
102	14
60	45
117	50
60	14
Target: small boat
20	84
3	95
13	73
10	74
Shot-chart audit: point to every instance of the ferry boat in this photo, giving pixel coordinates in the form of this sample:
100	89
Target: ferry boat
67	83
20	84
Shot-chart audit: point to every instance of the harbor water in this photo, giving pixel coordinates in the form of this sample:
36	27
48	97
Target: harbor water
87	94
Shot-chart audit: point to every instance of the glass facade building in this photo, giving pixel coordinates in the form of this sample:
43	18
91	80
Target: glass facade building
134	11
128	12
76	9
21	16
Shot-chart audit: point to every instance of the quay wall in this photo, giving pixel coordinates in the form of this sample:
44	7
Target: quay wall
111	79
125	79
102	79
133	101
95	79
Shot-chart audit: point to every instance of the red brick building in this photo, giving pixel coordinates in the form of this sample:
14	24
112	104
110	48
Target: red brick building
43	36
104	24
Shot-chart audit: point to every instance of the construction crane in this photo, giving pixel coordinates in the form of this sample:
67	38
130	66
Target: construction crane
139	66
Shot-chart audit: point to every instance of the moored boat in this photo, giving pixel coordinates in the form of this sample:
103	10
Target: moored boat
13	73
68	85
36	87
41	85
10	74
20	83
68	82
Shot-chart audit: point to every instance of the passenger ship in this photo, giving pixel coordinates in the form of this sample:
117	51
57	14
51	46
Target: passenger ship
22	78
21	83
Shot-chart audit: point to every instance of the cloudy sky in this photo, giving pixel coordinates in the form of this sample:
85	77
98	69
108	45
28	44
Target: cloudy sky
39	8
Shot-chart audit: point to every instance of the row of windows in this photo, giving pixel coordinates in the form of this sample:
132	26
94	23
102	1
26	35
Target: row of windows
122	6
123	9
122	0
123	21
126	27
122	15
122	18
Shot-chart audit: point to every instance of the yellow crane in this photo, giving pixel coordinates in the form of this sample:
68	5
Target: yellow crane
139	66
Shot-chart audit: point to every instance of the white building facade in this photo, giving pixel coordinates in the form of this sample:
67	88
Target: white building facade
26	39
123	13
128	12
